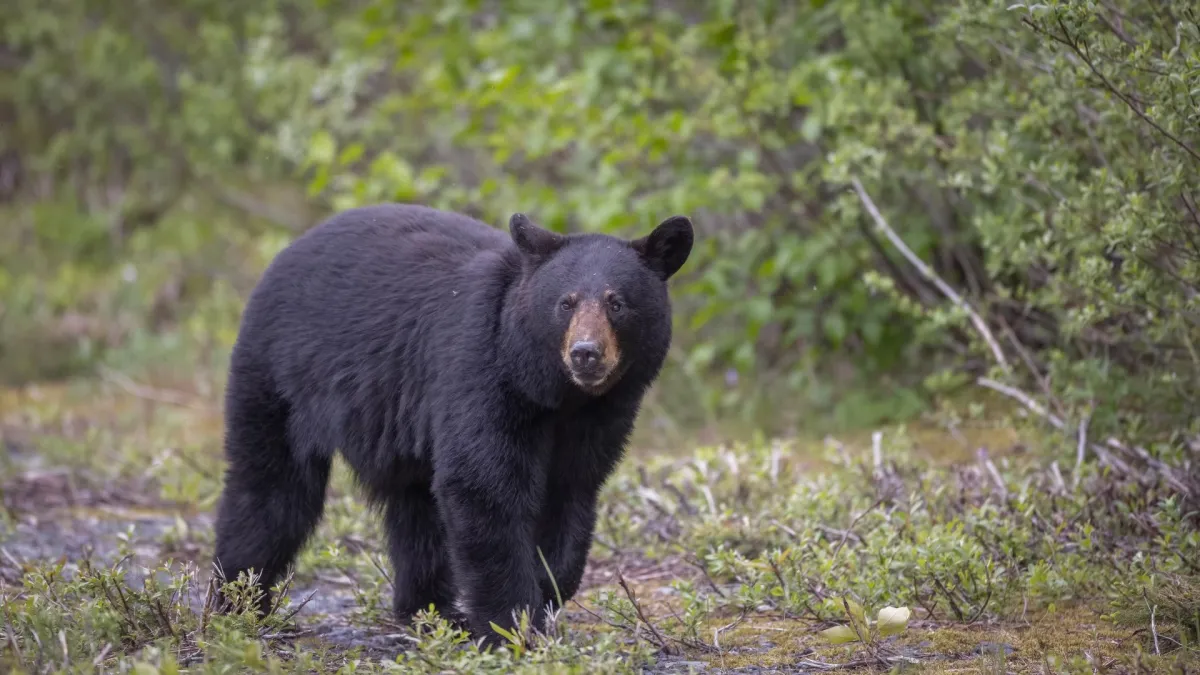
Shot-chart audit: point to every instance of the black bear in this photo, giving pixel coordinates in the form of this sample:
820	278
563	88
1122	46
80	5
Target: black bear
481	387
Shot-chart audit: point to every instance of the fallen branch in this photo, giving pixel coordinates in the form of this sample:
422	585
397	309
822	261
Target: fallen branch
1025	400
1102	453
980	325
1101	450
860	663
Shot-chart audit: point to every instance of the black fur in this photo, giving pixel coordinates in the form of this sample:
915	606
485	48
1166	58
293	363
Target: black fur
426	347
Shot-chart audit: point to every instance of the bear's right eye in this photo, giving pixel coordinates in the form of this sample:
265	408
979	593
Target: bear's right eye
565	305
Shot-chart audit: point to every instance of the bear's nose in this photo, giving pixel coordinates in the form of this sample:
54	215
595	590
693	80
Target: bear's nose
585	355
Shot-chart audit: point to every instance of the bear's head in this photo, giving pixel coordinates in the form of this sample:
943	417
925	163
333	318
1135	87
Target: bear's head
597	305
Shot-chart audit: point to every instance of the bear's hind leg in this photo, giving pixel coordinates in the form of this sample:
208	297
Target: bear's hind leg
273	498
417	549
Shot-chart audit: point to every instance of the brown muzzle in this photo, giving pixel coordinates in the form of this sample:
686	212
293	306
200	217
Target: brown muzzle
590	350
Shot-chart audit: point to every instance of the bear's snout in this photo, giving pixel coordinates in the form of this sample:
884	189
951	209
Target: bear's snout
590	350
585	357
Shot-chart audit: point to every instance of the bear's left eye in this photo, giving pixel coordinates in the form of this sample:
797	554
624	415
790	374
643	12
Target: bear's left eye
614	305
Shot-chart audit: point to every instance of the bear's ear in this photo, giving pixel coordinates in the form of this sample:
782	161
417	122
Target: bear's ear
666	248
531	239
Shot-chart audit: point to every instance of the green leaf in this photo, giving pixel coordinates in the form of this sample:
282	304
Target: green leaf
857	615
507	635
835	328
322	148
839	635
351	154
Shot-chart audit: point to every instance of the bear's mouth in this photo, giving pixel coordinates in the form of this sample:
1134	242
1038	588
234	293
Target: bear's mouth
593	383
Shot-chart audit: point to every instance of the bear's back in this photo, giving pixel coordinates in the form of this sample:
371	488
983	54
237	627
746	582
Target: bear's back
369	265
351	322
402	232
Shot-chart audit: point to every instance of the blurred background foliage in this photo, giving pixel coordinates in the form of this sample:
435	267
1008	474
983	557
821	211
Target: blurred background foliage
1043	159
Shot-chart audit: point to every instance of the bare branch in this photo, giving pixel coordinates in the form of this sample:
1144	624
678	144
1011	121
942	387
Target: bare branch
1081	449
1024	399
1153	628
252	206
660	641
928	273
849	530
1080	50
150	393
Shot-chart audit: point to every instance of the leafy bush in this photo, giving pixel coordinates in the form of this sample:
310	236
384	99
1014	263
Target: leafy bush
1040	157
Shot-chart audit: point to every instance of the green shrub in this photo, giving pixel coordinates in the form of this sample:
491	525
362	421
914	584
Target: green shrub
1041	158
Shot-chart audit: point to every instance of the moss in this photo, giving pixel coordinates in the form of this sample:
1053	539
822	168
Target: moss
952	642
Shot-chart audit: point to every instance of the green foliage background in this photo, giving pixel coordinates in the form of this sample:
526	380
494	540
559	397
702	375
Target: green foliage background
1044	159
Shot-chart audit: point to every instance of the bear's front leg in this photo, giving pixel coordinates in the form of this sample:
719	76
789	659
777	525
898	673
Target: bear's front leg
488	486
586	452
568	520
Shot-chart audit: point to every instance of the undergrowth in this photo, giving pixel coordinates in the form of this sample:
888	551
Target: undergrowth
732	556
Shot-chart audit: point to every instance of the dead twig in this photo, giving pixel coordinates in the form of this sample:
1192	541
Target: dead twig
1153	627
62	641
849	530
1060	486
993	472
783	584
379	568
659	639
859	663
717	631
284	587
168	397
1030	363
12	639
694	561
1081	449
929	613
877	452
986	600
102	655
949	598
834	532
1025	400
997	353
1101	451
299	607
599	618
